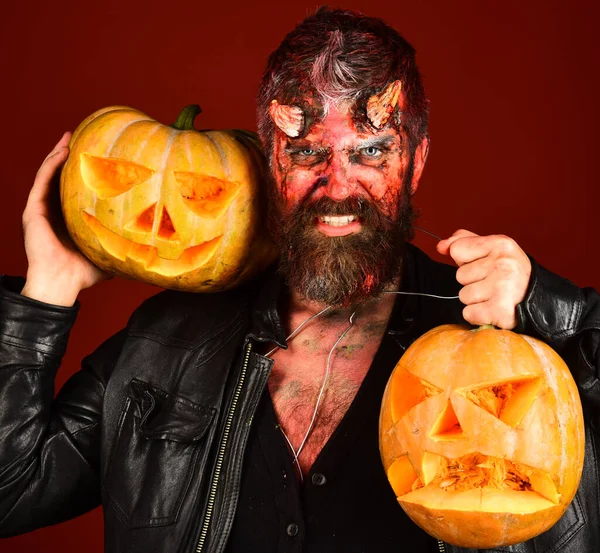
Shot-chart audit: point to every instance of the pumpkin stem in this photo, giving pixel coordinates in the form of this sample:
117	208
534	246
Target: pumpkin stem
483	327
185	121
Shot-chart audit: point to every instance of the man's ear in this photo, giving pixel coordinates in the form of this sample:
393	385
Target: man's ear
420	158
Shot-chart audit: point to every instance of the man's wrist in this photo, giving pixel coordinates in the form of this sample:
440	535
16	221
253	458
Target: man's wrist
550	310
55	291
31	323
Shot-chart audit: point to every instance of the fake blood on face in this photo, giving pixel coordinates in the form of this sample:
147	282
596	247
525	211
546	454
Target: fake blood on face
337	159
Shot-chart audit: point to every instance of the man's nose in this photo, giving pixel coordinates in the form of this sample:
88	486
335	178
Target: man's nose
338	185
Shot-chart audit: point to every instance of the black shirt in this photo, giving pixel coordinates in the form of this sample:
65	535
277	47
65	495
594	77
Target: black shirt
345	503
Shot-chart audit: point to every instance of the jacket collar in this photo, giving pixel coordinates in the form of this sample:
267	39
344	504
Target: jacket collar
265	322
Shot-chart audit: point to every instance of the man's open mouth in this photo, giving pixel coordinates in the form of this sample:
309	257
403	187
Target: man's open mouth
338	225
338	220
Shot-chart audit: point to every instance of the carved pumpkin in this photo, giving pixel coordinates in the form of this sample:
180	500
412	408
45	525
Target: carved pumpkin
481	435
171	206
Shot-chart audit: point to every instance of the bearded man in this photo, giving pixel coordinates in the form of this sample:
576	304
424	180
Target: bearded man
246	421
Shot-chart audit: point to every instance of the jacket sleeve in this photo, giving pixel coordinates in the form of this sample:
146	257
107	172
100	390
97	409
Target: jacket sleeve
49	448
567	318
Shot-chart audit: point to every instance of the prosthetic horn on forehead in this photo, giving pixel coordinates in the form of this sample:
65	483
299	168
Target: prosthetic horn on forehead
380	106
290	119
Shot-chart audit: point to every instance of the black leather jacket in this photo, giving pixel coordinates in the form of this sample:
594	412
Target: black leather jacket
155	424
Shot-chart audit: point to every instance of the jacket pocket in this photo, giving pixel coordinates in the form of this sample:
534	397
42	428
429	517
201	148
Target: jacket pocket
158	442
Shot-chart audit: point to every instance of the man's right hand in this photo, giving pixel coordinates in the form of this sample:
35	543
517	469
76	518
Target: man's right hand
57	270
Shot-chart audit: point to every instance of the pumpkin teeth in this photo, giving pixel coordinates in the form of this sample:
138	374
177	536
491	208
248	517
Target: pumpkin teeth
478	471
149	256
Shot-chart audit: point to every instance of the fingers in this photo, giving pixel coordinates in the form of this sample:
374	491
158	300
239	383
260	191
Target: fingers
477	292
64	141
494	272
490	313
443	246
465	246
41	185
469	273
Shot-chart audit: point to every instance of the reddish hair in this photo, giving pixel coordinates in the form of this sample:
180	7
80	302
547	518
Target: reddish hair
339	56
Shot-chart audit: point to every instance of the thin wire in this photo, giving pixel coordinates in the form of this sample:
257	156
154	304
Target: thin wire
427	232
323	385
295	460
299	328
312	422
420	294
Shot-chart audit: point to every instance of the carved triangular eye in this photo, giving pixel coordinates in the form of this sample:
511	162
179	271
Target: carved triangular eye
508	400
205	195
110	177
408	391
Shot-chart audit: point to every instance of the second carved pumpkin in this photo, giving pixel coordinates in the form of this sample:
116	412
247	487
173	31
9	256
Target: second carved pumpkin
481	435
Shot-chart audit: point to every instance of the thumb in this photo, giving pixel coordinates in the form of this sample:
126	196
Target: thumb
42	183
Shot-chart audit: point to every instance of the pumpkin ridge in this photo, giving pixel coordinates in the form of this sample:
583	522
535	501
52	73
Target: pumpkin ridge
122	132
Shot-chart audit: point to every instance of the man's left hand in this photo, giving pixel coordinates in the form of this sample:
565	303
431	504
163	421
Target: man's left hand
494	272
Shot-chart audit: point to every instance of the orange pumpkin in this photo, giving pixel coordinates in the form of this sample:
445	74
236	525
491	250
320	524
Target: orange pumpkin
481	435
171	206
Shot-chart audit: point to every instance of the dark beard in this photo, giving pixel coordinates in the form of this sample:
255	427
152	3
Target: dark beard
343	270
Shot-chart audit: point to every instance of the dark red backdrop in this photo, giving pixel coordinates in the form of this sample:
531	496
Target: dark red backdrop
514	118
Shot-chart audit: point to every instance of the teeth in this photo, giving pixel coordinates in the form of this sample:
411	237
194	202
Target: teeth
337	221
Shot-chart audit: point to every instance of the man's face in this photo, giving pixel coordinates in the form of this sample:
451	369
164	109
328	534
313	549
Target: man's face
342	209
339	158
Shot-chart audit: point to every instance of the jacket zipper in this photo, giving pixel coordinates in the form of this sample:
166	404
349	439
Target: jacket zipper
441	546
221	455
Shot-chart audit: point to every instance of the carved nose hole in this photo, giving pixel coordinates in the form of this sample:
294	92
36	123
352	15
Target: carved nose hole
145	220
166	228
447	427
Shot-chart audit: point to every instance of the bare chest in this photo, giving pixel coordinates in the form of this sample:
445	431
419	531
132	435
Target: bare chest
298	383
315	380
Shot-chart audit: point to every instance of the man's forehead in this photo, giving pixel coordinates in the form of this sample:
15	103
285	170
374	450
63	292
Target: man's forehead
384	139
341	123
307	112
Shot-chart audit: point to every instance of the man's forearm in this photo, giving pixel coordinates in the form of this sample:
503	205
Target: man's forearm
40	463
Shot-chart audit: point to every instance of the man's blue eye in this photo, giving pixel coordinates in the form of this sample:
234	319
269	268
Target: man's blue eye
371	151
308	152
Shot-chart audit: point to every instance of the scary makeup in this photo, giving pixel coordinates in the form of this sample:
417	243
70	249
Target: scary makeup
341	208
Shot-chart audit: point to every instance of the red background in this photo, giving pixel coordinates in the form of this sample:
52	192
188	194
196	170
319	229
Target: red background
514	117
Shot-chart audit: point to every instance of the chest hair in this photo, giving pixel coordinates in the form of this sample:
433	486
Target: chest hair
297	378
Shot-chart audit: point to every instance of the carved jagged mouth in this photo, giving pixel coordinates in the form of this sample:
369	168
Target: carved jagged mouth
121	248
474	482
